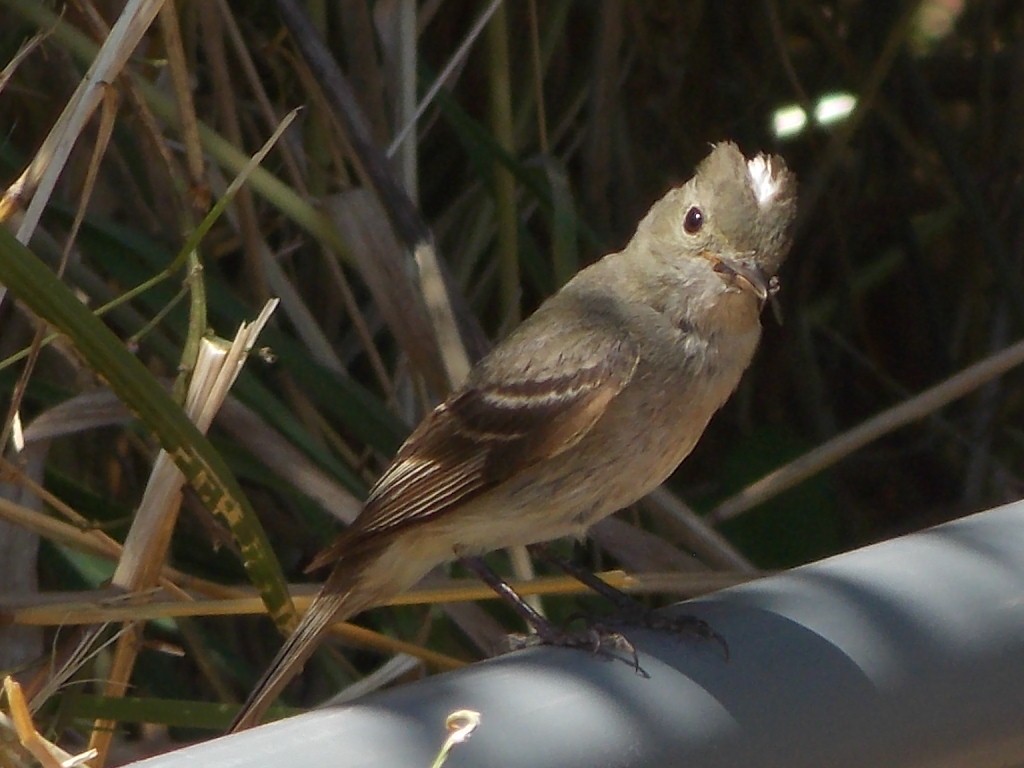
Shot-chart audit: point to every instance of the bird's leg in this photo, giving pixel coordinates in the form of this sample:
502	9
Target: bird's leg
630	610
547	633
544	628
621	600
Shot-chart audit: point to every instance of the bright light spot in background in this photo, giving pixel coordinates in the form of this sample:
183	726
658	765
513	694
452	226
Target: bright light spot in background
791	120
834	107
788	121
934	21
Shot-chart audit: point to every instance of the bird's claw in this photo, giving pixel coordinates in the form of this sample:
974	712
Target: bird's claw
679	625
595	638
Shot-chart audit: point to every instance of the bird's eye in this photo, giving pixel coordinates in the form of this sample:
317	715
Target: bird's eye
693	220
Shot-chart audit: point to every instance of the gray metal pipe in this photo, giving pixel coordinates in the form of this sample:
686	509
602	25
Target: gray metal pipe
906	653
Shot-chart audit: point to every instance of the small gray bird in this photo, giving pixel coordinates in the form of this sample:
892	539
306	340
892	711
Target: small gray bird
588	405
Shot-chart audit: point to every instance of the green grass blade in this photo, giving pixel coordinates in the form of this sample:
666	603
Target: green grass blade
35	285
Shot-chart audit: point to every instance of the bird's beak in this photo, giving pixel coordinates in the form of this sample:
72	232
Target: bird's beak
747	278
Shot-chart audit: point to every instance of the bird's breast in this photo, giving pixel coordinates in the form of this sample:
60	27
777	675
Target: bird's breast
681	379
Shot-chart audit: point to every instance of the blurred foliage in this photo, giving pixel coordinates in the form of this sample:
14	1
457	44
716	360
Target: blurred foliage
906	268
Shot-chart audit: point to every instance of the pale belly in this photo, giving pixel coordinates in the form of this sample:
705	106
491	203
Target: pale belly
611	468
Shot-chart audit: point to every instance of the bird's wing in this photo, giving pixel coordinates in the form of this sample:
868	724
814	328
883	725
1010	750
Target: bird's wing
483	435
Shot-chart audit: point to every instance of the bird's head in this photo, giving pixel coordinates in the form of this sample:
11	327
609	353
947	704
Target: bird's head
736	213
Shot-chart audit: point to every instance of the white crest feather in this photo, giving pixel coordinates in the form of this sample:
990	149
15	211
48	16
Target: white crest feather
762	179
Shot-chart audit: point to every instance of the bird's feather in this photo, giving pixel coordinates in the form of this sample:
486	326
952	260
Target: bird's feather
481	436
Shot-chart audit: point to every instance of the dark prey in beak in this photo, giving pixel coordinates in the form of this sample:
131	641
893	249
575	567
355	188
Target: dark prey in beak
748	278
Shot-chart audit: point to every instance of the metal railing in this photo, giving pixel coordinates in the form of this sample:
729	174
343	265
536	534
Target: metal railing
906	653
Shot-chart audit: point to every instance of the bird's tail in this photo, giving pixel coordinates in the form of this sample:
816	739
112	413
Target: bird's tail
340	598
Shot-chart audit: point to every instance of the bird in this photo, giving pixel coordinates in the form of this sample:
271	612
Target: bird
588	405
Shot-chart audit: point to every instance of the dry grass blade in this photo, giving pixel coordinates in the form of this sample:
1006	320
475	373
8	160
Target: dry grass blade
108	115
71	652
12	66
437	295
39	178
289	463
270	114
362	223
500	113
145	548
392	670
454	62
101	408
216	370
46	752
82	537
450	315
336	88
640	550
834	450
171	33
102	606
693	533
105	606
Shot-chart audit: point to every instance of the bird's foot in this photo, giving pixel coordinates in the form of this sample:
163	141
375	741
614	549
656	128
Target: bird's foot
628	611
680	625
598	639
